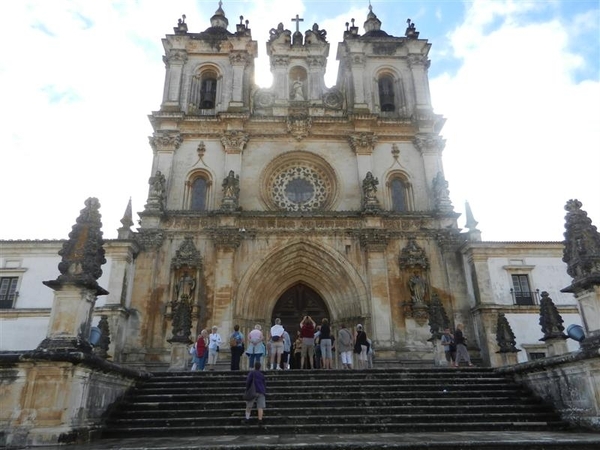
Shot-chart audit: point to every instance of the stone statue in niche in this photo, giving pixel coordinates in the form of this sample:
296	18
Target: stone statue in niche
185	287
418	289
298	90
231	192
158	191
231	185
370	186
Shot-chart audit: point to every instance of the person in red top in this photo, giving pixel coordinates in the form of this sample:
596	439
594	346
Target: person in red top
307	332
201	351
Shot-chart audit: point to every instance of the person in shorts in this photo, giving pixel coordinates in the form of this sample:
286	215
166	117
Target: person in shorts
276	345
258	378
307	332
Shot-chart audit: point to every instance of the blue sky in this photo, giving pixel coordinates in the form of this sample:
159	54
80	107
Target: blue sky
518	81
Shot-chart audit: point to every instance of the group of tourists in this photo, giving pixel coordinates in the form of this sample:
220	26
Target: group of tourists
313	347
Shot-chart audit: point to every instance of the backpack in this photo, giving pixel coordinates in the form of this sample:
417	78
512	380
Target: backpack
233	340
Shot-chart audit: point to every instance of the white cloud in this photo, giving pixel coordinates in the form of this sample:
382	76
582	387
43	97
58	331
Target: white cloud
519	127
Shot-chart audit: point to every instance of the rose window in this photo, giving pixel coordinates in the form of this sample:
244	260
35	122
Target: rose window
300	188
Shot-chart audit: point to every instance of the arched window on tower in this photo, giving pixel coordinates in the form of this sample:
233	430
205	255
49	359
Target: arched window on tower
204	92
208	92
387	100
399	193
198	191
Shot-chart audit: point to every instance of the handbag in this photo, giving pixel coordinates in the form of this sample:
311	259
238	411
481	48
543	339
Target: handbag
357	348
250	393
193	350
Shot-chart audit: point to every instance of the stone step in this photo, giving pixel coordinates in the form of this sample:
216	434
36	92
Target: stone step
333	417
272	427
211	404
145	410
330	402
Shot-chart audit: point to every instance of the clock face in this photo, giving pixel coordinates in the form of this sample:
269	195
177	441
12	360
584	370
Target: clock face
298	187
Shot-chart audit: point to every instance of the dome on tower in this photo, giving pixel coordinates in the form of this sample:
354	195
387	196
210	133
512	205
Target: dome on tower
218	22
373	25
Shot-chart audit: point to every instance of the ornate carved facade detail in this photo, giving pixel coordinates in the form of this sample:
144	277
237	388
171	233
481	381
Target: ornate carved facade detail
234	141
413	257
280	61
239	58
441	194
357	60
362	143
165	140
505	336
582	246
150	239
83	253
231	192
550	319
429	143
369	188
299	126
374	239
157	195
175	56
187	255
182	321
229	237
316	61
438	319
264	99
418	60
333	99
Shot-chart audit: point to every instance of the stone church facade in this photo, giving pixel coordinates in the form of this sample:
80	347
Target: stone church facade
301	199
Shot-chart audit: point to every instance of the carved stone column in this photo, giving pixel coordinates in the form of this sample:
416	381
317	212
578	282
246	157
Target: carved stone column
582	255
76	288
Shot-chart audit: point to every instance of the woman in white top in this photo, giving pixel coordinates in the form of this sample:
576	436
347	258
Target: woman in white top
214	341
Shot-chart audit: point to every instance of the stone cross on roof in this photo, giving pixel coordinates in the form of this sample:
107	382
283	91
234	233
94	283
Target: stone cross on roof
297	19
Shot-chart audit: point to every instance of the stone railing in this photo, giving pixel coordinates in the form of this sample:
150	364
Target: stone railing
571	382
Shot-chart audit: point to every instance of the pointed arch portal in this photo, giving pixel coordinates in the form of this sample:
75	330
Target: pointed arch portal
298	301
316	274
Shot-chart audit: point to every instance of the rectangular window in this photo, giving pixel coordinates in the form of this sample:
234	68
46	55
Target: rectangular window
8	292
521	290
536	355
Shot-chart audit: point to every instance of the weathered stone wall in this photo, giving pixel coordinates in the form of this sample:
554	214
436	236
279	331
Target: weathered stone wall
570	382
45	402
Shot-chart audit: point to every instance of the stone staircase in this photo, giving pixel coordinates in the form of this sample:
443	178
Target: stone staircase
331	402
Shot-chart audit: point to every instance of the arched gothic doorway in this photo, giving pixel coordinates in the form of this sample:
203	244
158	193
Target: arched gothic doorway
295	303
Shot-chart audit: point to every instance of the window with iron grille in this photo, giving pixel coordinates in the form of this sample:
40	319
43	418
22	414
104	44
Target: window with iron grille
521	290
8	291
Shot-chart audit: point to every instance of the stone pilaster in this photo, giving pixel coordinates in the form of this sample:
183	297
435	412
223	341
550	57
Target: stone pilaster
174	62
374	242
